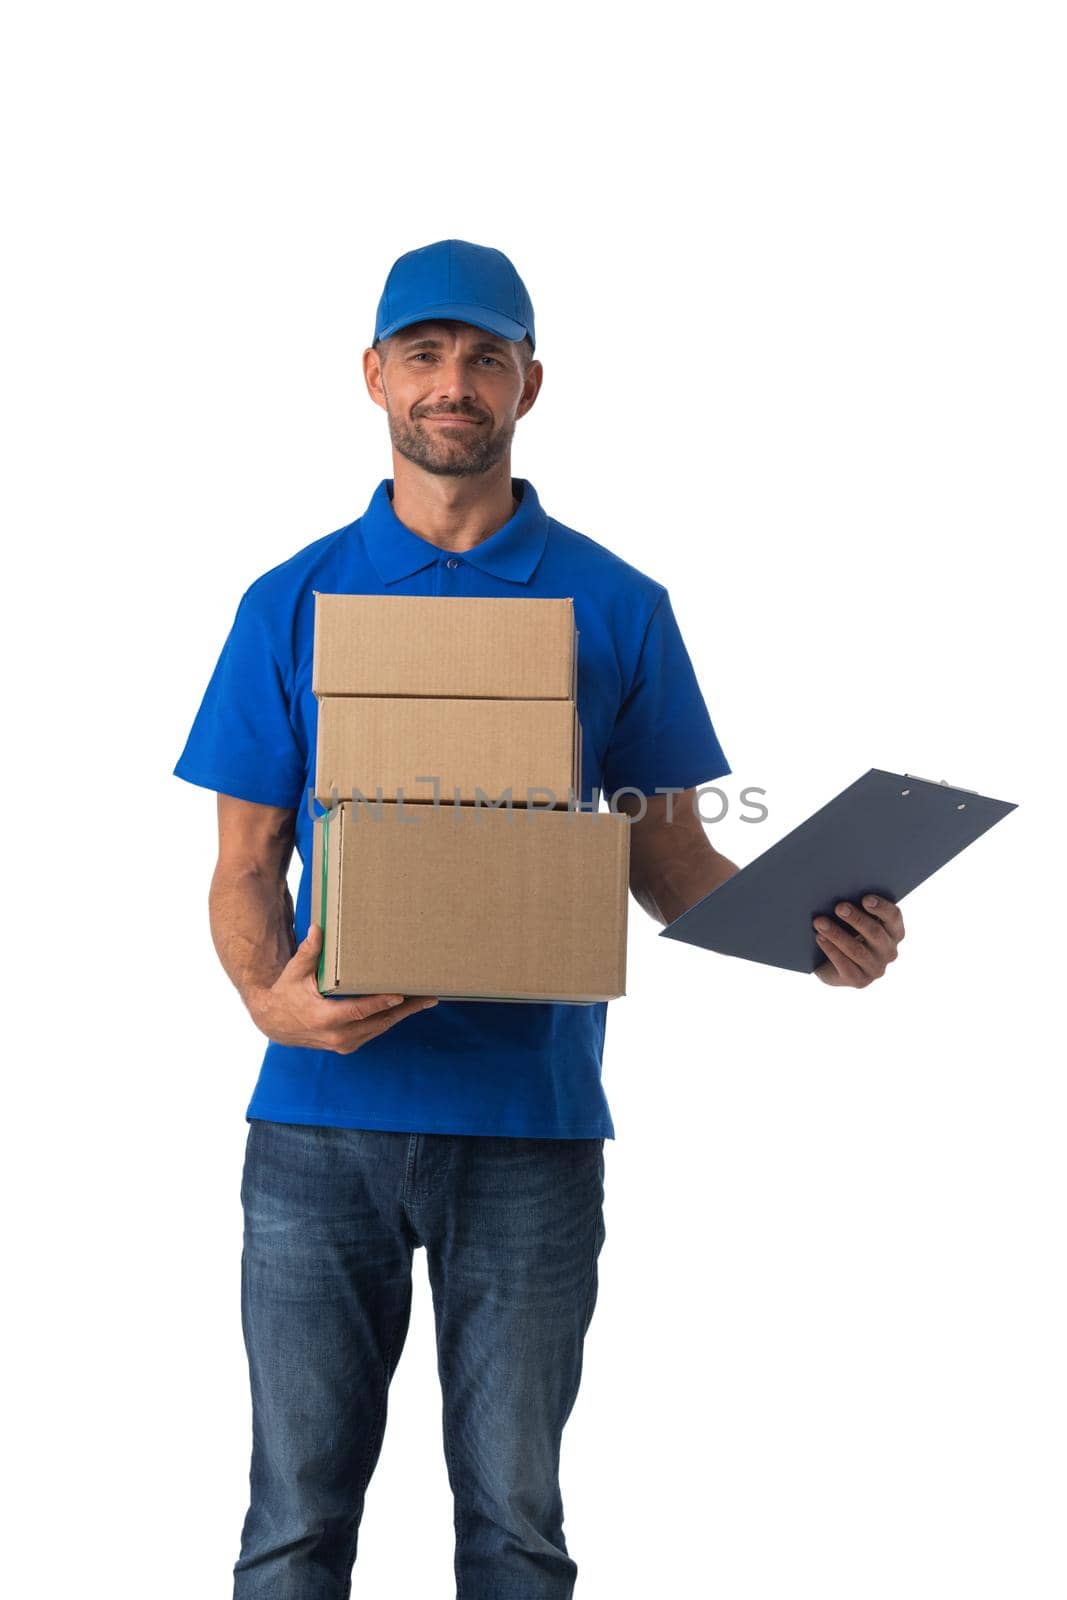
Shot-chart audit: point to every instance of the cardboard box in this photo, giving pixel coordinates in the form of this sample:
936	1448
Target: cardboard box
451	645
368	743
470	903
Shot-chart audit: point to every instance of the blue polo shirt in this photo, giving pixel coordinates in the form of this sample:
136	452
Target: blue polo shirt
528	1070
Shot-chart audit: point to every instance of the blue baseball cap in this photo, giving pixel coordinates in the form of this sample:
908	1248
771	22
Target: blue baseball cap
456	281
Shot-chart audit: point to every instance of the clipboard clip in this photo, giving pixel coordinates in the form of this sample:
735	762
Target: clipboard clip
943	781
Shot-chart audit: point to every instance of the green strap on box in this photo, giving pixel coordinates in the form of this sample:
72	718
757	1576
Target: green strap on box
322	897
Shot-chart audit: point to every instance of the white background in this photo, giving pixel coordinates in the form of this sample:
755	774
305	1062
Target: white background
799	292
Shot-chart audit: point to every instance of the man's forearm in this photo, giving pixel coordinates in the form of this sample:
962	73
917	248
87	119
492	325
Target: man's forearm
678	884
252	928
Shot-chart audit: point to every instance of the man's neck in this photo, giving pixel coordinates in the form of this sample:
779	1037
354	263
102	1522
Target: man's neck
452	513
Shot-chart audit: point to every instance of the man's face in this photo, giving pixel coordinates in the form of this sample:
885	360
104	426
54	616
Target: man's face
453	394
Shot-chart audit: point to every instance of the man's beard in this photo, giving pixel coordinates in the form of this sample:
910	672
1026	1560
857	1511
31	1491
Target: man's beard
459	457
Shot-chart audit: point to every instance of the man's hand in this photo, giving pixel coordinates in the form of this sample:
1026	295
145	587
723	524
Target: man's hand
861	944
292	1011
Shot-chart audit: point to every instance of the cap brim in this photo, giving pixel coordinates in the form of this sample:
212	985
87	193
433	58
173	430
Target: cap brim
478	316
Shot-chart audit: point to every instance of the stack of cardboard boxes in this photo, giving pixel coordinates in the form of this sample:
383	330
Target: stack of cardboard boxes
453	859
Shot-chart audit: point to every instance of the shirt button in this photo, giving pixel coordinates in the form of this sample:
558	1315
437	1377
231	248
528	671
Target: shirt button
451	562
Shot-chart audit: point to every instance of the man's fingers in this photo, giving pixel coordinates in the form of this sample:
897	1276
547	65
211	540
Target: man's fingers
306	957
364	1007
834	939
304	964
887	912
843	970
867	926
349	1036
407	1008
860	943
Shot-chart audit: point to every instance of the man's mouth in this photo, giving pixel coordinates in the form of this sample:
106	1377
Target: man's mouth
455	422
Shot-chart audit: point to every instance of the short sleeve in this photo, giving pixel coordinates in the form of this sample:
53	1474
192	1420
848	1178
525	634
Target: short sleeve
663	736
242	742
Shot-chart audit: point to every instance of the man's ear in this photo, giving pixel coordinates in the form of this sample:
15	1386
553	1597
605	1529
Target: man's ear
531	388
372	376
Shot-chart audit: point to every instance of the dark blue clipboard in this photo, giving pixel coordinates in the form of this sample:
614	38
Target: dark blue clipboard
885	834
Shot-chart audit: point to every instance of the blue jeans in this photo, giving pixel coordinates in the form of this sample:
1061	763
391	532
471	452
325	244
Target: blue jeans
512	1230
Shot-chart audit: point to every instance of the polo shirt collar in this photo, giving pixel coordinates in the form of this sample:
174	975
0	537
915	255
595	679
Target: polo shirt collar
512	552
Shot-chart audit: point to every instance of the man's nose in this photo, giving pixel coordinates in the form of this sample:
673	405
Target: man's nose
454	381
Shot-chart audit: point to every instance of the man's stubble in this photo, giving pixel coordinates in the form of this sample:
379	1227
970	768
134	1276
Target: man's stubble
450	458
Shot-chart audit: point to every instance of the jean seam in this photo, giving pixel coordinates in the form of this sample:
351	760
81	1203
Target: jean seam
588	1295
458	1519
377	1431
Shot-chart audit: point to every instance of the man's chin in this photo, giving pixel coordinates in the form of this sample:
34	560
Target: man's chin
448	469
451	458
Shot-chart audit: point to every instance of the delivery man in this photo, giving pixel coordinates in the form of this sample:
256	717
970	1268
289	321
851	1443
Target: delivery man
474	1129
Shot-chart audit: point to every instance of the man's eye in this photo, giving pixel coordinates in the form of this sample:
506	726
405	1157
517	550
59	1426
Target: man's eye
427	355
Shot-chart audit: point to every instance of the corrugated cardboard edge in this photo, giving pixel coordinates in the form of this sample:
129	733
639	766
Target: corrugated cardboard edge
316	651
534	999
576	757
332	858
337	837
318	745
623	905
316	872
